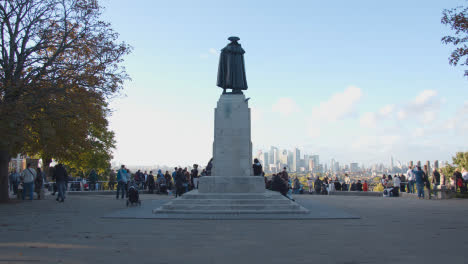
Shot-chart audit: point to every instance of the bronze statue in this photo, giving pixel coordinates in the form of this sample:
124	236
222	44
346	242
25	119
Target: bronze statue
231	69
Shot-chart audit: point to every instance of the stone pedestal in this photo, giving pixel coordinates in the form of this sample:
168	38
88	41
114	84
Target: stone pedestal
232	147
232	150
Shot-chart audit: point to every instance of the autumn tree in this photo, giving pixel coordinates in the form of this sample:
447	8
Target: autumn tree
457	20
48	49
63	128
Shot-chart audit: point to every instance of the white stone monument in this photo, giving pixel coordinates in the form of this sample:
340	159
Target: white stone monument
232	188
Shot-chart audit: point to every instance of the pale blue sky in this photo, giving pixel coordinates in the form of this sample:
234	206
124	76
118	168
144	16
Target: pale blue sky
301	57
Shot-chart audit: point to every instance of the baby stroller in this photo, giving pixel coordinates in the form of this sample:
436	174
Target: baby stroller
133	196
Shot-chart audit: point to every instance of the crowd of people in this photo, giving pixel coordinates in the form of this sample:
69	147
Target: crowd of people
33	180
178	182
181	180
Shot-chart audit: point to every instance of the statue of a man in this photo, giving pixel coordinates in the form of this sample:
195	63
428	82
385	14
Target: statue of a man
231	69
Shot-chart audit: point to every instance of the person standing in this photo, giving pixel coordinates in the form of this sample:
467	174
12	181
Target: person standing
168	178
151	183
194	176
411	179
174	174
427	183
419	179
435	179
122	179
145	176
14	180
402	183
112	178
310	183
28	176
39	183
465	178
61	179
396	185
179	182
92	179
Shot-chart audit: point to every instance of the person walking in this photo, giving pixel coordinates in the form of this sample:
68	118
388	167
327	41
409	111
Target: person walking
61	179
28	176
122	179
419	179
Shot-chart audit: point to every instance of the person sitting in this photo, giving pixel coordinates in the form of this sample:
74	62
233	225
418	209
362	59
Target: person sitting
318	185
257	168
279	185
359	186
353	187
162	188
344	187
297	186
338	185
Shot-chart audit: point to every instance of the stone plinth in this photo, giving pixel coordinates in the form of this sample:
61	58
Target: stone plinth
219	184
232	148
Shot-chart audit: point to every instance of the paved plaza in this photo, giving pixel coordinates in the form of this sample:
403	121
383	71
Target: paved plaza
389	230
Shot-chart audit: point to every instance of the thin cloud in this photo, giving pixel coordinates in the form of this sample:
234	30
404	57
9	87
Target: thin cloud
285	106
339	106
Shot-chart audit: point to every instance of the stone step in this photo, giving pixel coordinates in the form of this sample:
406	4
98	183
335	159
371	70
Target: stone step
216	207
230	212
231	201
199	196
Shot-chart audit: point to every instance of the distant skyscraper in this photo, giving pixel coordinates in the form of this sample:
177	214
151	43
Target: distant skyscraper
283	157
273	155
354	167
266	161
391	163
296	159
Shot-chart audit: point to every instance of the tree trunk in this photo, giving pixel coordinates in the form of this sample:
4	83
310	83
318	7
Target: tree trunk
4	161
